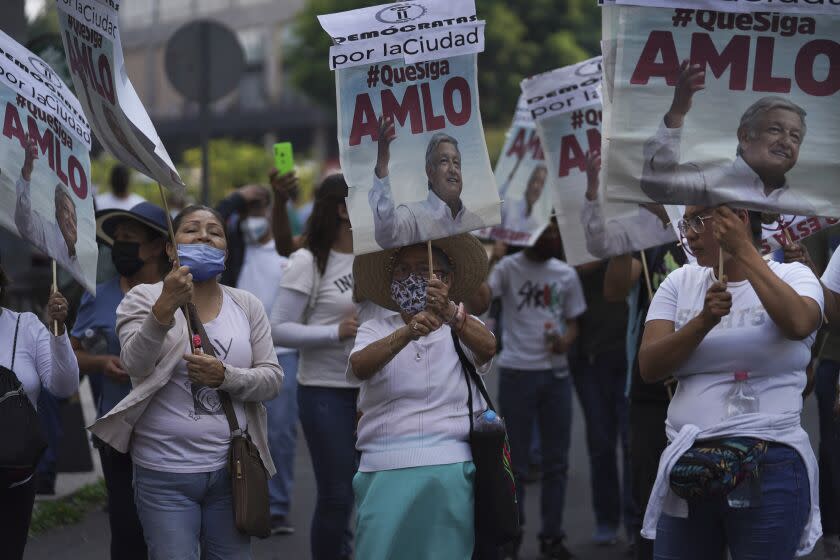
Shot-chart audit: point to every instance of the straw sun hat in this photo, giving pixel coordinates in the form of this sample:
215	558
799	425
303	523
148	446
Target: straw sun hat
372	272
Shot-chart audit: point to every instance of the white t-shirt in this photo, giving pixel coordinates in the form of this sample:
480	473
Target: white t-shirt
184	428
831	276
415	408
323	366
108	200
745	340
534	294
262	269
40	358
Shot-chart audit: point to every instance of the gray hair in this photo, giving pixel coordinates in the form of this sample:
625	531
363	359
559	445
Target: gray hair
62	190
437	139
749	120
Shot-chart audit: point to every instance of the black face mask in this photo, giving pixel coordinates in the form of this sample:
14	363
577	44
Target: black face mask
126	257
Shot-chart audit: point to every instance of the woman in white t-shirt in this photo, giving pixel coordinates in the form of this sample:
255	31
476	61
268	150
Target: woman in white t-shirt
314	312
36	357
173	422
414	488
751	332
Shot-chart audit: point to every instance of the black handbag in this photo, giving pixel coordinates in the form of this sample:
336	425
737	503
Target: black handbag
23	441
496	510
248	476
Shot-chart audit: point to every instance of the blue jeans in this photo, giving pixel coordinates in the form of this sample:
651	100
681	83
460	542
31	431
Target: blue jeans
282	436
546	396
328	418
770	531
829	450
599	383
182	512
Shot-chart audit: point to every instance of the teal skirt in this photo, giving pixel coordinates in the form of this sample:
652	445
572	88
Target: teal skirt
418	513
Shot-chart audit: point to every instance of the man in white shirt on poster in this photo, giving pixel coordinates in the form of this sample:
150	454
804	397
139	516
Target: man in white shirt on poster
442	214
56	238
521	218
770	135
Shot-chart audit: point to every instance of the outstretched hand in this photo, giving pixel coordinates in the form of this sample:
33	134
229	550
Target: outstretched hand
31	149
387	133
593	169
692	79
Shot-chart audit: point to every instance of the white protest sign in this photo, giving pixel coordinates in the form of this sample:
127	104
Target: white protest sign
45	194
90	33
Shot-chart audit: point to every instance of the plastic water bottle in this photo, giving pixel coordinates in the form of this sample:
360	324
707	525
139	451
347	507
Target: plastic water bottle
743	400
94	342
488	422
549	334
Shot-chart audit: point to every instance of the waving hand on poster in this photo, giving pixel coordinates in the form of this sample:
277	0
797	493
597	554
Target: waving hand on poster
91	37
45	164
410	136
713	107
566	105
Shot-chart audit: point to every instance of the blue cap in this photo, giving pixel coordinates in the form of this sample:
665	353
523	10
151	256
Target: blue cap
490	415
146	213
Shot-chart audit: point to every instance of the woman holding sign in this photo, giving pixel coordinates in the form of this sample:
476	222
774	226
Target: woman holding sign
414	488
173	421
739	471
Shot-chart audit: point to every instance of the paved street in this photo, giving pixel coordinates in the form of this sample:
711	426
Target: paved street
89	539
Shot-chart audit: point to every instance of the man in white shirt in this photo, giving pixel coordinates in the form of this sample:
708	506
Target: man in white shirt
442	214
56	238
520	217
650	227
541	300
770	135
120	197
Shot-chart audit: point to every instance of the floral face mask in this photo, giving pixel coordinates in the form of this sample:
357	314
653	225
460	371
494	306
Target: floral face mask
410	294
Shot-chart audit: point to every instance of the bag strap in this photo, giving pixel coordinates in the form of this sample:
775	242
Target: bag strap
313	295
470	373
224	397
14	344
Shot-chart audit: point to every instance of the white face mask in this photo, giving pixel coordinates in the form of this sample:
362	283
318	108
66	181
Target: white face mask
254	228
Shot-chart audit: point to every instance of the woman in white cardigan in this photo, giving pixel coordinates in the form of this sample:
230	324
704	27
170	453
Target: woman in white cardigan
172	421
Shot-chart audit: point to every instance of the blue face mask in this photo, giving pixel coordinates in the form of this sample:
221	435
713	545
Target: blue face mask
204	261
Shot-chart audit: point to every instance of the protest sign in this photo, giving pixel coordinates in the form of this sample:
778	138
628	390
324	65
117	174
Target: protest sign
522	176
90	32
45	190
411	142
566	105
751	120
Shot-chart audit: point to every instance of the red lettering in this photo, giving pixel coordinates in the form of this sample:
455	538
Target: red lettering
409	109
59	172
780	238
364	121
518	146
658	43
107	79
12	127
571	155
805	68
433	121
535	147
459	84
803	229
735	56
45	142
593	137
763	79
78	177
815	224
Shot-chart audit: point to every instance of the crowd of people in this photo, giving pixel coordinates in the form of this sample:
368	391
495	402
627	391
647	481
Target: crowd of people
370	353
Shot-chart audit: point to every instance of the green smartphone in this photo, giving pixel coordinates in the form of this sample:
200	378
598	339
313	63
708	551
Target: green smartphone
283	160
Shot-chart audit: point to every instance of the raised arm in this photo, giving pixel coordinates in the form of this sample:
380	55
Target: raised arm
602	239
622	274
28	223
56	363
796	316
283	186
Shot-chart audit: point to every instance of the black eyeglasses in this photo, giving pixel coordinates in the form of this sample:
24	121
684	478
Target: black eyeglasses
696	223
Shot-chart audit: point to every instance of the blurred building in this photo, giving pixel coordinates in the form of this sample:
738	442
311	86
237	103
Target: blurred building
264	108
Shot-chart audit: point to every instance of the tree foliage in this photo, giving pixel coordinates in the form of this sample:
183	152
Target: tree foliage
521	39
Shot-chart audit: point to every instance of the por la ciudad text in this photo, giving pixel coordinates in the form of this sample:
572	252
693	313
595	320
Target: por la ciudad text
409	47
565	104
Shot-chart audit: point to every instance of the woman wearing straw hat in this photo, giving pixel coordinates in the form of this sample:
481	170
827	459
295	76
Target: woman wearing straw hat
415	479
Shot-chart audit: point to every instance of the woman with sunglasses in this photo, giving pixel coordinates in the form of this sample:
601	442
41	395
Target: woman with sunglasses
739	346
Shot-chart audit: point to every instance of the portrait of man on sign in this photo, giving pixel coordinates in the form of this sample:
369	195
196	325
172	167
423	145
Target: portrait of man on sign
441	214
520	217
770	134
56	238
